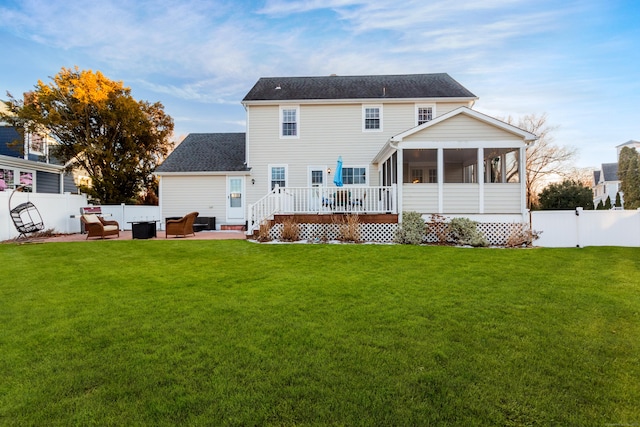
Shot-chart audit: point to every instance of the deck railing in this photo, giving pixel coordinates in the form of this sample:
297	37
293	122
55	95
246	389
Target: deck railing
322	200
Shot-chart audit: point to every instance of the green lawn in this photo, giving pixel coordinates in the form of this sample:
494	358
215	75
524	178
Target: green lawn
237	333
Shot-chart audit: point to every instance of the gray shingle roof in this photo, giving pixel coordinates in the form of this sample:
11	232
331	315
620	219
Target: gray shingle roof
207	152
357	87
610	171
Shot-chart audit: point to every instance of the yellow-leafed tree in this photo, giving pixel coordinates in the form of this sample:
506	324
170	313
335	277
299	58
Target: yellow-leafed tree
100	127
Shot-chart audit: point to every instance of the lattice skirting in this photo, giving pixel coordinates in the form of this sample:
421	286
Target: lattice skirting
498	234
380	233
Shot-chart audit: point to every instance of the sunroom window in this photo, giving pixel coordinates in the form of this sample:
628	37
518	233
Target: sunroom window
461	165
501	165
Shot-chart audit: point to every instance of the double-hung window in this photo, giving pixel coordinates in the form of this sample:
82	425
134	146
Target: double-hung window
277	176
354	175
372	118
289	122
424	113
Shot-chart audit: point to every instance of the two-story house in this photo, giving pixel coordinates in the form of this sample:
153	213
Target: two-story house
406	142
26	162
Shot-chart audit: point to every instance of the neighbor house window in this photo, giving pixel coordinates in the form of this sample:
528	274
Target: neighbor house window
12	178
278	176
6	179
289	118
372	115
354	175
424	113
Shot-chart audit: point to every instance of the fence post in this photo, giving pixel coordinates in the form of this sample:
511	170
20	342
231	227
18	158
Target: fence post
578	239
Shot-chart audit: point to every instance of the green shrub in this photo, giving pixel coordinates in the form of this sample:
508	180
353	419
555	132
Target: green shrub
464	232
412	229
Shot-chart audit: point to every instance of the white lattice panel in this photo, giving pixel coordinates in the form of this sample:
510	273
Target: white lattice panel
382	233
496	233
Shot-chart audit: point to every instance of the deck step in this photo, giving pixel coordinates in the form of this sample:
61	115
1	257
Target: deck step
239	227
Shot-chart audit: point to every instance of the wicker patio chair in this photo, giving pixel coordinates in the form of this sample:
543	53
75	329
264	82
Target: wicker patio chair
96	226
182	226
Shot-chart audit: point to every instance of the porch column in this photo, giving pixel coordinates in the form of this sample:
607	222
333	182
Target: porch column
480	175
522	172
440	180
399	166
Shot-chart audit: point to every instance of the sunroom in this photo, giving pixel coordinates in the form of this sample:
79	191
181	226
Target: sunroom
461	163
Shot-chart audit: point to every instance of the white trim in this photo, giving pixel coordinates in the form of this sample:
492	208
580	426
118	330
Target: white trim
527	136
281	109
367	179
480	177
243	200
470	100
23	163
269	174
364	117
204	173
315	168
422	105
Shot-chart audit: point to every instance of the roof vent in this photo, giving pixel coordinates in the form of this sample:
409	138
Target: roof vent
333	75
278	87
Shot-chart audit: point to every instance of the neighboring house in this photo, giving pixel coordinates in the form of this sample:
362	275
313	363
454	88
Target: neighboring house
605	184
631	144
29	164
407	143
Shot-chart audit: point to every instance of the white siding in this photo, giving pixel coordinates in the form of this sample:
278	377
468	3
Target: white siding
462	128
326	132
204	194
461	198
502	198
421	198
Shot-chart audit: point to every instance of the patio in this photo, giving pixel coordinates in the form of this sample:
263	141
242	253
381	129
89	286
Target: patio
126	235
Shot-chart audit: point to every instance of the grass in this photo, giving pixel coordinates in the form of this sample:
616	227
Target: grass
236	333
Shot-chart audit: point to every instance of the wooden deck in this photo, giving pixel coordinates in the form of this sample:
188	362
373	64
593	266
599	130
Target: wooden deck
330	218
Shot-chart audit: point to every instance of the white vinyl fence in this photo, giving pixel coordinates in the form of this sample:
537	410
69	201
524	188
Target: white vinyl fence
55	209
61	212
125	214
579	228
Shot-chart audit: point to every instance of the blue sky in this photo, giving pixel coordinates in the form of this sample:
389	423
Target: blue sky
576	61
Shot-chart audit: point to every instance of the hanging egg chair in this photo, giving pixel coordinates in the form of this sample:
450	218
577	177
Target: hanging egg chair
25	216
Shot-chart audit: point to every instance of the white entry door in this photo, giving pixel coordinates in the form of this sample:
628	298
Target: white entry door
235	198
316	182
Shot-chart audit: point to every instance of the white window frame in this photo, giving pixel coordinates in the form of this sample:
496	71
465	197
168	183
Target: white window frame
417	114
16	177
366	175
270	174
365	107
296	108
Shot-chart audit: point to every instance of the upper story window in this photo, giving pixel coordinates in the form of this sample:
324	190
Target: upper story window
289	122
372	118
424	113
